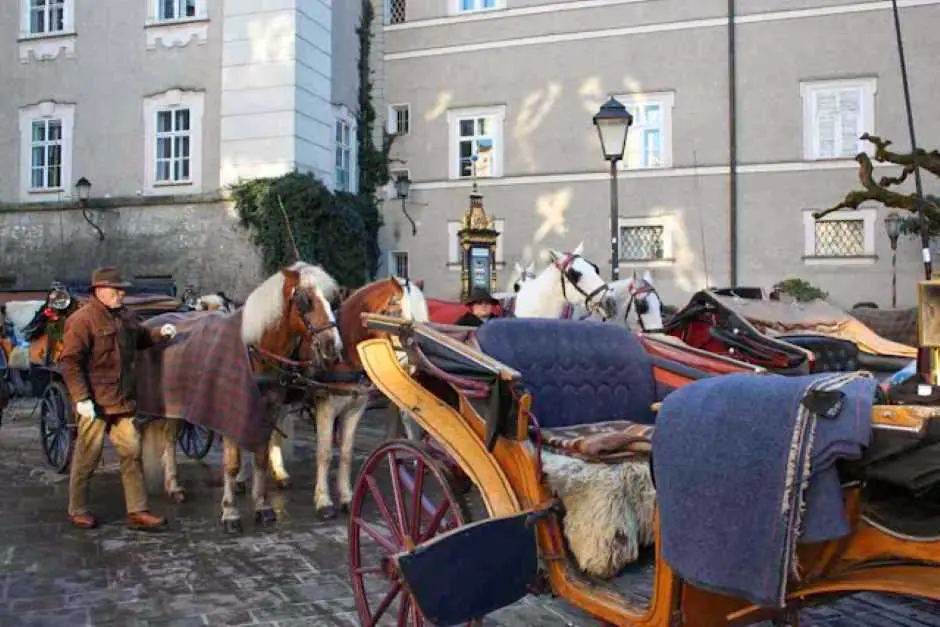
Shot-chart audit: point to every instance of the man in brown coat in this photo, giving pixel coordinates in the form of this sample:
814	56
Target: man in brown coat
98	367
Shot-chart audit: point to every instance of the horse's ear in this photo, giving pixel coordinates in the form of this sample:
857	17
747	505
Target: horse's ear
554	254
519	268
648	277
292	276
531	267
579	250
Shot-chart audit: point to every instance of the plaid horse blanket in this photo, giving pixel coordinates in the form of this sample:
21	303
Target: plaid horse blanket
203	376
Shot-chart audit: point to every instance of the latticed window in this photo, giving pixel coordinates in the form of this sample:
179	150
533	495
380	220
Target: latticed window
642	243
396	11
840	238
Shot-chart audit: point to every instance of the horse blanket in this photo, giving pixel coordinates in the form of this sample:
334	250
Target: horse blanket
744	470
203	376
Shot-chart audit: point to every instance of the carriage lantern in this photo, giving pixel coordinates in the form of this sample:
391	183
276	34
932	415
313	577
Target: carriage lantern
477	237
613	123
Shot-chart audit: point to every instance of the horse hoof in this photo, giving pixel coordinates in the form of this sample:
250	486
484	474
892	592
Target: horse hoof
265	516
232	526
283	484
326	513
179	496
241	487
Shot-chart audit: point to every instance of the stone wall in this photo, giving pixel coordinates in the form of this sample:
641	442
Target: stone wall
197	243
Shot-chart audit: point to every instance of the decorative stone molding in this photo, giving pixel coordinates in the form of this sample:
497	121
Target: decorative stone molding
46	48
177	34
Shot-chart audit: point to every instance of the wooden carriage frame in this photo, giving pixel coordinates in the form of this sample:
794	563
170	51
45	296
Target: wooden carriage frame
507	476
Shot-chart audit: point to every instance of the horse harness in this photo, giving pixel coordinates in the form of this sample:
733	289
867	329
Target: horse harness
642	307
573	277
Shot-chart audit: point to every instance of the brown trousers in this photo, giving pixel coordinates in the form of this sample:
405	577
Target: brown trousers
87	454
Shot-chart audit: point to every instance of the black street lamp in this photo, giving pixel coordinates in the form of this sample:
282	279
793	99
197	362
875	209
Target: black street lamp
402	189
613	123
893	229
83	190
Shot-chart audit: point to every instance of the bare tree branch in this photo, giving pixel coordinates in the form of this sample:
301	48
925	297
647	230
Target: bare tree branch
929	161
888	181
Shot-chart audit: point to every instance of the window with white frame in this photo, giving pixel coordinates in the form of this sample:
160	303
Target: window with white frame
645	240
840	235
399	119
343	150
476	141
395	11
453	243
468	6
649	140
46	140
835	115
47	17
398	264
173	126
175	10
47	29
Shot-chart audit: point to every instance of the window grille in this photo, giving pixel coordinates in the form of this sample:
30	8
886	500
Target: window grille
642	243
396	11
400	264
401	119
840	238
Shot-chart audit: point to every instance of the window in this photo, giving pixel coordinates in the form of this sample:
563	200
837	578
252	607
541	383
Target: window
645	240
395	11
398	264
476	141
173	126
649	141
465	6
840	236
46	156
173	146
453	250
399	119
173	10
46	17
835	115
343	156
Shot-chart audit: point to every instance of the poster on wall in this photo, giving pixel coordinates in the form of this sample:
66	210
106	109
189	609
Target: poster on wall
480	268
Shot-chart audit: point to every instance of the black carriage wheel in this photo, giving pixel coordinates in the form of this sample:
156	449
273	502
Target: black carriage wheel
57	426
195	440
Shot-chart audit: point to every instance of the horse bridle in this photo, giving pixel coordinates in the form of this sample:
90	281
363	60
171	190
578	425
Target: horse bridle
522	279
573	276
642	307
301	300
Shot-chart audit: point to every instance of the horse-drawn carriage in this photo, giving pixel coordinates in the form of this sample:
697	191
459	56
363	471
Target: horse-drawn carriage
31	353
552	421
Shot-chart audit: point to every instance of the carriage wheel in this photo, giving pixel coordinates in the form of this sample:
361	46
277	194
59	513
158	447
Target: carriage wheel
195	440
57	426
386	519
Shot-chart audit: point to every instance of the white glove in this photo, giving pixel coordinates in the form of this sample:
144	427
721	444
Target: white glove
85	409
168	331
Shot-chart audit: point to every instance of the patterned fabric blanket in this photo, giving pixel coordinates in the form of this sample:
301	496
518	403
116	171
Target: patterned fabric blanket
744	471
203	376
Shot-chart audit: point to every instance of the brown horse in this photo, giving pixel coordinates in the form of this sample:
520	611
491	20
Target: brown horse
343	394
286	315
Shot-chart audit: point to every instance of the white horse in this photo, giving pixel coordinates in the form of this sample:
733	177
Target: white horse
569	280
638	295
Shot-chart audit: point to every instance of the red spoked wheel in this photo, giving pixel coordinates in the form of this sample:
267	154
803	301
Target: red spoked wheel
403	497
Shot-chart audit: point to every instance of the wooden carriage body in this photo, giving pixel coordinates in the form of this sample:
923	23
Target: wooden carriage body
492	444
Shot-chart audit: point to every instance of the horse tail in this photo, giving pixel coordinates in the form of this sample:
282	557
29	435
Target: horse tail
151	454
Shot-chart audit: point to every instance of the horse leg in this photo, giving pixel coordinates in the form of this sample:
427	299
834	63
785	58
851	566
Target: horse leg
326	413
264	513
171	432
348	424
278	445
241	479
231	461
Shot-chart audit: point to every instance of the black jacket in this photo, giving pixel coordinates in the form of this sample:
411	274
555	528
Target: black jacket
469	320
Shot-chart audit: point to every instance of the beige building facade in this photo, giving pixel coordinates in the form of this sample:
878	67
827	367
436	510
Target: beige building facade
515	83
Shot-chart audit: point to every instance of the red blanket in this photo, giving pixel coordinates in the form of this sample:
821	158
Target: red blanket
203	376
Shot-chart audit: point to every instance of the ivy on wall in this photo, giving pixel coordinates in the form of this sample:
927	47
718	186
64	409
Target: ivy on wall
338	231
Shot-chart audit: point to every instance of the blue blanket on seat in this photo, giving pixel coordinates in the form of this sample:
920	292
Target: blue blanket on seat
577	372
737	461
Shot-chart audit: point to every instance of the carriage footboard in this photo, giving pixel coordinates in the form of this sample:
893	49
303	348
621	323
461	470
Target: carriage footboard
474	570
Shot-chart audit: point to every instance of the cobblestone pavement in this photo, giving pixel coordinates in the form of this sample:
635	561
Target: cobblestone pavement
292	574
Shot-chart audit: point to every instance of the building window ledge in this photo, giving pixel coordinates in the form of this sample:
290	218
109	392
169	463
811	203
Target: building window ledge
646	263
177	33
861	260
46	47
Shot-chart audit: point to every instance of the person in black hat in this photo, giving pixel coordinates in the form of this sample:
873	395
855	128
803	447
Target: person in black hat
480	308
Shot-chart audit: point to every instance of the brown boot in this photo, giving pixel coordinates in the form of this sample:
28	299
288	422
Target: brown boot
146	521
83	521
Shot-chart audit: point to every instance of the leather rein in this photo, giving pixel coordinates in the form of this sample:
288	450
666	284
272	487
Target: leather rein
564	266
642	307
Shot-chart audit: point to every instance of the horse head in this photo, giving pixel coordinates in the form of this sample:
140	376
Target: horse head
215	302
581	283
290	312
644	298
525	274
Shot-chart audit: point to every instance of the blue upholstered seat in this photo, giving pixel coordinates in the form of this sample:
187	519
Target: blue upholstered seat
577	372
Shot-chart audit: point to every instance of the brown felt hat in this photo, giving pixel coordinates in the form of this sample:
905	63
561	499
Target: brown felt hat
108	276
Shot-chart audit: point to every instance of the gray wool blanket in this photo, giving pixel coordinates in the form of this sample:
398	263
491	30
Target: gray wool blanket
744	472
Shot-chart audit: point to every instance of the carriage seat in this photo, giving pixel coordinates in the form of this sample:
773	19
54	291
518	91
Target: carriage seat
830	354
592	383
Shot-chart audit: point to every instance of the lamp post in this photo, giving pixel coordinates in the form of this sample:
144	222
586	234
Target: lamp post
613	123
402	189
893	229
